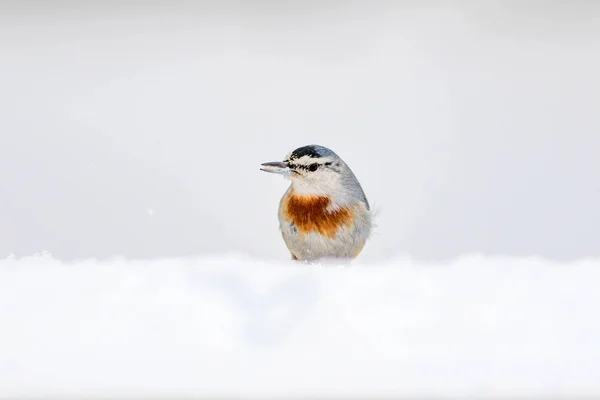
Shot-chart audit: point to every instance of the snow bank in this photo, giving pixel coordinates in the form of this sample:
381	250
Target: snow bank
231	326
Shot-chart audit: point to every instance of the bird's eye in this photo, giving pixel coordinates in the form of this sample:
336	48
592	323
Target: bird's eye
313	167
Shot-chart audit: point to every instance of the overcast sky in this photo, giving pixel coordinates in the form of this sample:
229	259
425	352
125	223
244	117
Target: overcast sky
137	129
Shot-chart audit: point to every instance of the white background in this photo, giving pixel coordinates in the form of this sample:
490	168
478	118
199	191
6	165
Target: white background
137	129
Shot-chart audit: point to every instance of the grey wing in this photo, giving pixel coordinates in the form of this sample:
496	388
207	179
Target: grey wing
358	190
364	197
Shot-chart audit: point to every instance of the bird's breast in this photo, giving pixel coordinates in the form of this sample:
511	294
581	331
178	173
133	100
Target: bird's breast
313	214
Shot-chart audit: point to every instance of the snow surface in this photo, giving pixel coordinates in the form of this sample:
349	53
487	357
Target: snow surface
233	326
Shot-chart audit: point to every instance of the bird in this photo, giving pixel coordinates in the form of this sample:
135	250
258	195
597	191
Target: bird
324	214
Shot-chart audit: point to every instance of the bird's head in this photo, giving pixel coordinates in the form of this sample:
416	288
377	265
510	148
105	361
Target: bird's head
317	171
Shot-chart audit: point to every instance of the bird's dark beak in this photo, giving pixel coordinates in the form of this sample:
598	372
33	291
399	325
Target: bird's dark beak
276	167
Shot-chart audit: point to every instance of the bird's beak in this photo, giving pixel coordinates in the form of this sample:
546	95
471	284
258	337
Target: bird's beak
276	167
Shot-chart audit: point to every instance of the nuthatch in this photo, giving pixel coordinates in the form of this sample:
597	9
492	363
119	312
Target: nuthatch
324	213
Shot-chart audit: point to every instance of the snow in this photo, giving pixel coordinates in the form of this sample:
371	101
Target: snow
236	326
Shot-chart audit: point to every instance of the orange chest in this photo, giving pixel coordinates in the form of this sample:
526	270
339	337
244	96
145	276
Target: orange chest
311	214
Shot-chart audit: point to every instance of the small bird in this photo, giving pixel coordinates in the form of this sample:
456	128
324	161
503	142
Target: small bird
324	213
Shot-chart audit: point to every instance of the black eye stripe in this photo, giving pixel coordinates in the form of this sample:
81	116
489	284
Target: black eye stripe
311	167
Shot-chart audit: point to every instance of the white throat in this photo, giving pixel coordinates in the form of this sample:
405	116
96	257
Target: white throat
328	185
